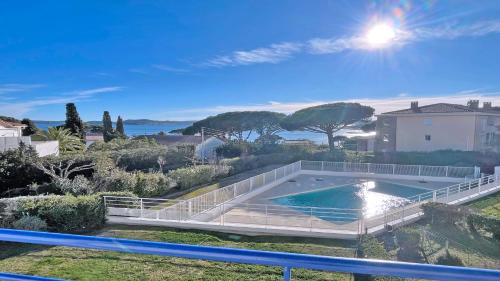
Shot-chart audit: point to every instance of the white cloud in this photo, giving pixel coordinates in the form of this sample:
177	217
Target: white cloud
12	88
18	109
381	105
169	68
273	54
279	52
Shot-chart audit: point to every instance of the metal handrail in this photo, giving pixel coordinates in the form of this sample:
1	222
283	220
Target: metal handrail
4	276
285	260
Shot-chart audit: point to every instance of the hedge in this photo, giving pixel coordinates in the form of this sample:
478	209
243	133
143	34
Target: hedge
197	175
65	213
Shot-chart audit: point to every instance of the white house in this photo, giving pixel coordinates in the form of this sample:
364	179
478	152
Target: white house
206	150
440	126
11	135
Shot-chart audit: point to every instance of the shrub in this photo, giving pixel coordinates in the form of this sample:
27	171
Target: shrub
120	144
64	213
488	224
369	247
30	223
230	150
152	184
143	159
140	183
409	244
115	180
449	259
197	175
77	186
439	213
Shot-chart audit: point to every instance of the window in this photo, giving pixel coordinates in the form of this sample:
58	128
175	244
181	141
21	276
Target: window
386	138
427	121
428	137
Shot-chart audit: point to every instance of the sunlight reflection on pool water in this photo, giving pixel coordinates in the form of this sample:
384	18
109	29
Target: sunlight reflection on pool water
373	196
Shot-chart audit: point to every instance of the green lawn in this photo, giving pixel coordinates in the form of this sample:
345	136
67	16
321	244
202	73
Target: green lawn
80	264
489	206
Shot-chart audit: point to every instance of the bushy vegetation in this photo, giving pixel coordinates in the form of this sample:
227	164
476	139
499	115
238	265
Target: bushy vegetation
197	175
60	213
28	222
408	240
370	248
449	259
444	214
17	171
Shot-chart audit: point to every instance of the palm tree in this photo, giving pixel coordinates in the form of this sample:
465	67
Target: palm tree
67	141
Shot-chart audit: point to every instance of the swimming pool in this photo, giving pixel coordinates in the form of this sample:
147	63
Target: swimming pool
372	196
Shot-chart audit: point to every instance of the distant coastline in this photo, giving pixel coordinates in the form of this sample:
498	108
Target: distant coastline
126	122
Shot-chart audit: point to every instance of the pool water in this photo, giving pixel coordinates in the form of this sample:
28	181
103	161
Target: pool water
373	196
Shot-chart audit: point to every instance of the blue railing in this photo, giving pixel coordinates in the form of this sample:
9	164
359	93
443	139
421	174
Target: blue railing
285	260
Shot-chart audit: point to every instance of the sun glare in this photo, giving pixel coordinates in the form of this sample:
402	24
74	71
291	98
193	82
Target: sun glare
380	35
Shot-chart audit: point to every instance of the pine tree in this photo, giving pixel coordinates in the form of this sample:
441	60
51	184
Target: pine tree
73	121
107	127
120	130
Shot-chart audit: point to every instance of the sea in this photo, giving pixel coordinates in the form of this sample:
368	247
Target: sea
133	130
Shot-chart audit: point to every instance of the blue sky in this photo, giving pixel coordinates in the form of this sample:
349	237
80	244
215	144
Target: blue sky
184	60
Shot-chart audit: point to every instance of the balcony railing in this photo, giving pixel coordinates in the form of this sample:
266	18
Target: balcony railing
287	261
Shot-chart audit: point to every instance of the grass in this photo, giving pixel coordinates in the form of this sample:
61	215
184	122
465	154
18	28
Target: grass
489	206
81	264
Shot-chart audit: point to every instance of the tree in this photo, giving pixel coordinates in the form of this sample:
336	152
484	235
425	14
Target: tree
369	127
63	169
267	125
31	128
17	170
327	118
73	122
107	127
120	130
239	124
68	143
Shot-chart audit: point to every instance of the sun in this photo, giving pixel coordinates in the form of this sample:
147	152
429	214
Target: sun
380	35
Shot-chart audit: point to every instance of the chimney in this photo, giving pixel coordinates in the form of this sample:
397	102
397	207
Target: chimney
414	106
487	105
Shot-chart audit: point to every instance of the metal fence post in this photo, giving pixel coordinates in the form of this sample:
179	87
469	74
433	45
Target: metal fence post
393	169
287	273
266	215
447	171
419	170
322	165
368	168
142	208
447	193
434	196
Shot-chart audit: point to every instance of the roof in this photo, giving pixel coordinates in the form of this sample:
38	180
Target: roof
442	108
9	124
175	139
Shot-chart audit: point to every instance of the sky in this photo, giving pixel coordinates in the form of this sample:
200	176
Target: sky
185	60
